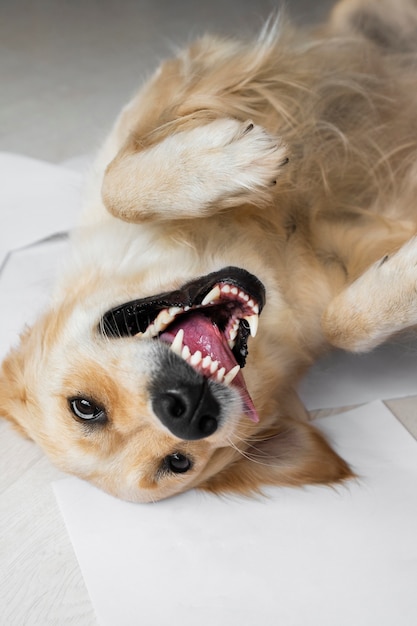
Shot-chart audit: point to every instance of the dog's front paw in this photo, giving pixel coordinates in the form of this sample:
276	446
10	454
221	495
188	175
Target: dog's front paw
195	172
253	158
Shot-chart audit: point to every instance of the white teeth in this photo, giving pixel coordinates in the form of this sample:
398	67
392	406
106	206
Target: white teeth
213	367
212	296
220	374
176	345
196	358
231	375
206	363
151	331
164	318
186	352
233	331
252	320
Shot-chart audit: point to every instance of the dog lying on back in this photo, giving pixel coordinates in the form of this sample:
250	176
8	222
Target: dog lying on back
254	205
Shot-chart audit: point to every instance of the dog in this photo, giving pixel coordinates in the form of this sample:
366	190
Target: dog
253	207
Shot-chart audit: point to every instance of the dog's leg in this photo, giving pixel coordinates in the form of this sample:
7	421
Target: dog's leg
194	173
381	302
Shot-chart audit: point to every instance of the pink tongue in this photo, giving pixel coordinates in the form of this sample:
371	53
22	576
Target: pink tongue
201	334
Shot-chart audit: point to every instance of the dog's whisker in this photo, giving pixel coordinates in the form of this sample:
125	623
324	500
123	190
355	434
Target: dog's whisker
256	457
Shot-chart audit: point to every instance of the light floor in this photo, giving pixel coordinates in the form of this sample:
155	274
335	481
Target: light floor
66	67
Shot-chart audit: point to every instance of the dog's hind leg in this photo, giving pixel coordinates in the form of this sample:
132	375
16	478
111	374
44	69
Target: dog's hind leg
380	303
195	172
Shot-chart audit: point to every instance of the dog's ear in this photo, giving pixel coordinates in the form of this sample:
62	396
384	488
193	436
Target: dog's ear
294	453
13	393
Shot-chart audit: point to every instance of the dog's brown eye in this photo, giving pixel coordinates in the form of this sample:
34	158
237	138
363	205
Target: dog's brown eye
86	410
177	463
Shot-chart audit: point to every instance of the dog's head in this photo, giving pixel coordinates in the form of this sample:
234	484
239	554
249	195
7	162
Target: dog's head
148	399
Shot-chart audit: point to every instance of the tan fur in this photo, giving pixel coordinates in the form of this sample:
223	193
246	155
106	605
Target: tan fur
292	156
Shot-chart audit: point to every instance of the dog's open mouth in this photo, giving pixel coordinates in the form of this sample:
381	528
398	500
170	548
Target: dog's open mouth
207	322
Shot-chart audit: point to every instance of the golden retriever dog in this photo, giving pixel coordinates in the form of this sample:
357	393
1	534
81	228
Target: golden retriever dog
254	205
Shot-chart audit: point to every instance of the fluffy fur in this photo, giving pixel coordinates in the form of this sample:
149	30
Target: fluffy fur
292	157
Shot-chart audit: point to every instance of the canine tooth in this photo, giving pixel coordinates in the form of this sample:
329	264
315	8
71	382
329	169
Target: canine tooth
206	361
252	320
186	352
220	374
196	358
176	345
231	375
231	343
212	296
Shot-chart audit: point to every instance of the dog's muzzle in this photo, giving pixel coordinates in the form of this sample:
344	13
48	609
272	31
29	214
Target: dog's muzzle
207	322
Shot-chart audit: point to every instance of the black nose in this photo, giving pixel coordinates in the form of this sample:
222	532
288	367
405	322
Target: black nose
188	410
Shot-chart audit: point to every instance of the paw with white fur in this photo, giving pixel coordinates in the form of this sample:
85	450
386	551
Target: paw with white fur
196	172
381	302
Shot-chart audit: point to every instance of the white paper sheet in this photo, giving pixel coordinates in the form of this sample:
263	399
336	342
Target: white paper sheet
26	283
315	556
37	199
343	379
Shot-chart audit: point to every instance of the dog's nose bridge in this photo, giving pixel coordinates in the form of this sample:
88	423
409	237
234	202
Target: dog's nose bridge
189	410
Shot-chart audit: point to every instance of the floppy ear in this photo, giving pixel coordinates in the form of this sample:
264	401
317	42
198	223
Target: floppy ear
293	453
13	393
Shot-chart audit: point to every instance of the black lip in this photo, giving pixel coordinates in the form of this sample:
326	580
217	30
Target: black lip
134	316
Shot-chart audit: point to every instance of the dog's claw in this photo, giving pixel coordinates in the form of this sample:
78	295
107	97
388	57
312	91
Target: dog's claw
248	128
